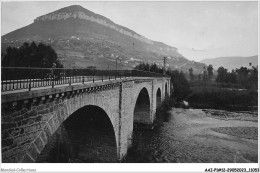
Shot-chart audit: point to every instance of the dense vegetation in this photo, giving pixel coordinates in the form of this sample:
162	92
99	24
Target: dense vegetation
235	90
30	55
148	67
208	96
238	78
246	78
180	84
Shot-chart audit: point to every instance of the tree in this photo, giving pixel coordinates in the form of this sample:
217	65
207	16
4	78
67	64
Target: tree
147	67
242	75
180	84
153	68
210	72
253	79
141	66
205	77
31	55
199	77
222	75
232	77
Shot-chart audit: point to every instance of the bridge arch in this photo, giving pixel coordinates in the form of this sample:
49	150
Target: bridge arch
142	107
67	107
158	97
87	135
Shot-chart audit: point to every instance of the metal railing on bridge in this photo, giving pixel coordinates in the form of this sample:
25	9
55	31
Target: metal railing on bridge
20	78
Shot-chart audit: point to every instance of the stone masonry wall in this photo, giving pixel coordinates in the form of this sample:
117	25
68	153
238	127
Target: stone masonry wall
26	129
126	117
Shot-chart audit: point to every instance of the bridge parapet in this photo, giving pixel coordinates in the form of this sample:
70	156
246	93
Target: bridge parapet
17	78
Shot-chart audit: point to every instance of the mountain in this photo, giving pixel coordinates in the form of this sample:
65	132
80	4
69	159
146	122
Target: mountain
232	62
82	38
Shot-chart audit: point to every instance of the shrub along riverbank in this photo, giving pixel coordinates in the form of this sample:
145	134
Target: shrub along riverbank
211	97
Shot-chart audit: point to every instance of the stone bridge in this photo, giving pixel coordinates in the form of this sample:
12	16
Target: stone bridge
30	120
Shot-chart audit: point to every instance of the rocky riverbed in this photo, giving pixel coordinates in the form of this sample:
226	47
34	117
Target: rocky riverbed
234	115
196	135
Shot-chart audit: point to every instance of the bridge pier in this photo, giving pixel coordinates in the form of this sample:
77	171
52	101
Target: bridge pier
125	118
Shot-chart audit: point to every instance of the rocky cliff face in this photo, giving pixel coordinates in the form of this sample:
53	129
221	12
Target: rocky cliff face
82	15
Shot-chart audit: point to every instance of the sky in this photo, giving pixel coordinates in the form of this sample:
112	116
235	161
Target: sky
200	30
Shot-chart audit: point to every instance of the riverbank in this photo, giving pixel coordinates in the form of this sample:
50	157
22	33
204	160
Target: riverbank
232	115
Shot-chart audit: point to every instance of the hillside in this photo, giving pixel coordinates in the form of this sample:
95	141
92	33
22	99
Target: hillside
82	38
232	62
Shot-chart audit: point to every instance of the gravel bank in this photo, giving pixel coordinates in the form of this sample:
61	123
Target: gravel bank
242	132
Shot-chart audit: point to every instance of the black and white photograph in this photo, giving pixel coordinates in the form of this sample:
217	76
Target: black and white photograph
165	86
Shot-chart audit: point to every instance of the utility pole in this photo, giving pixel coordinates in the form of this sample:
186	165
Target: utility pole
164	65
